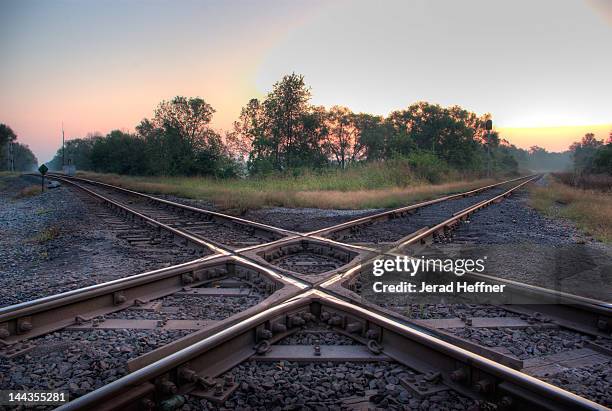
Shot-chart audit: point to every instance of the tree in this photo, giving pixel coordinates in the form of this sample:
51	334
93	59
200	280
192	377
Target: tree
119	152
284	109
343	136
374	134
283	131
25	160
22	160
583	152
7	136
250	126
179	141
188	117
602	160
307	150
449	133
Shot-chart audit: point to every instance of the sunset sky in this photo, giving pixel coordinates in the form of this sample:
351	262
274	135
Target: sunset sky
542	68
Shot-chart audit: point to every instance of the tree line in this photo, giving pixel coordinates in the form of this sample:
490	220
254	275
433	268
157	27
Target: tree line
176	141
14	156
285	133
592	156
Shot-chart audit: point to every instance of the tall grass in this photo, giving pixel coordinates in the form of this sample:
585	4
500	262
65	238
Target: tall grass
385	184
591	210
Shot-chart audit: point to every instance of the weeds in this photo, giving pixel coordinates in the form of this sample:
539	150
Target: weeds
47	234
591	210
29	191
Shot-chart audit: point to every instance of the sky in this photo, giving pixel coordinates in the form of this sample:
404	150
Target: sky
541	68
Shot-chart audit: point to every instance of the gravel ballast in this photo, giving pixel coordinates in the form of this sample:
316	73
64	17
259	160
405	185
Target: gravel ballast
593	382
77	362
305	219
521	244
324	386
62	240
394	229
80	361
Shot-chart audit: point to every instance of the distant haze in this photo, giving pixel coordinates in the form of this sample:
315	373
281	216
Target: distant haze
542	68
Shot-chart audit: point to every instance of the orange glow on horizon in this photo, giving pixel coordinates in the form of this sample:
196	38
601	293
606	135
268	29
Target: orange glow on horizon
553	138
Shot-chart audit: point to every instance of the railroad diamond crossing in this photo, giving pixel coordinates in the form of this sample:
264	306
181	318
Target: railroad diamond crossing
301	292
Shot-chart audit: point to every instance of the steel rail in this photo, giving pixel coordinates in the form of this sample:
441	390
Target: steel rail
324	284
160	383
211	245
314	234
317	233
571	311
38	317
215	246
354	256
252	252
134	214
10	320
422	234
542	293
455	219
179	205
413	207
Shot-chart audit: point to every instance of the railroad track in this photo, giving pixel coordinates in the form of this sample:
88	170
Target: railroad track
311	270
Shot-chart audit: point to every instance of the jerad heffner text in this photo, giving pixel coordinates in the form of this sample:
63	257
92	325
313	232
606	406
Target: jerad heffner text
460	287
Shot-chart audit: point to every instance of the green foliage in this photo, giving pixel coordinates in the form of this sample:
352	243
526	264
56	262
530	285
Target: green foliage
179	141
6	136
23	158
76	152
120	153
602	160
427	166
592	156
283	131
176	141
583	152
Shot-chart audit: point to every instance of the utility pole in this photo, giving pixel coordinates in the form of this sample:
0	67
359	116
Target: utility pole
489	127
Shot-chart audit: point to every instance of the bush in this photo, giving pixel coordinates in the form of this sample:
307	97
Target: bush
602	161
427	166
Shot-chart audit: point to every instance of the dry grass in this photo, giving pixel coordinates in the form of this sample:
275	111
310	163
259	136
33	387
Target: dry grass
29	191
385	198
238	195
591	210
601	182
